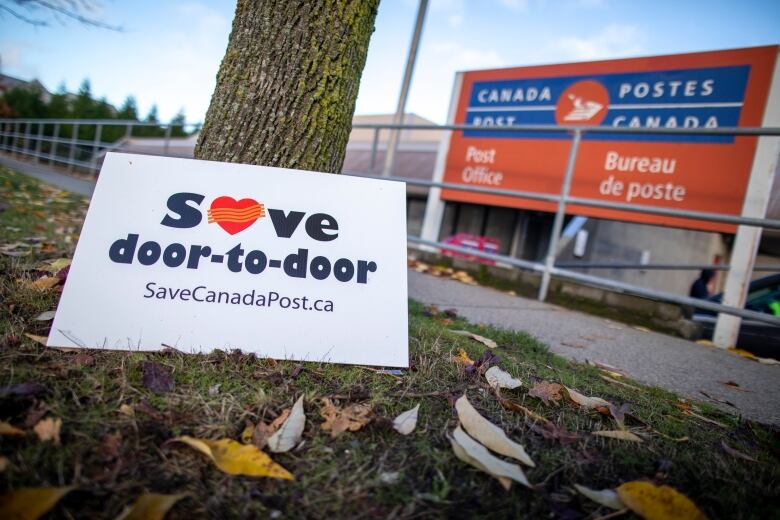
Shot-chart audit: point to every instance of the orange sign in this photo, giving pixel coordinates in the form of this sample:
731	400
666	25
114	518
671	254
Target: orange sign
693	172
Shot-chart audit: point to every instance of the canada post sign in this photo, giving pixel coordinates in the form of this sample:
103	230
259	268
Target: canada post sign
200	255
695	172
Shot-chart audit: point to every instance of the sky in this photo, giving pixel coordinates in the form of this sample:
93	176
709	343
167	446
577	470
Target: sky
169	51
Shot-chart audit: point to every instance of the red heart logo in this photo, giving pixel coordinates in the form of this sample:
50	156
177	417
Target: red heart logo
235	215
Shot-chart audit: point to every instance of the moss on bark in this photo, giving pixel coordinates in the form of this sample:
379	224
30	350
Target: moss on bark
287	85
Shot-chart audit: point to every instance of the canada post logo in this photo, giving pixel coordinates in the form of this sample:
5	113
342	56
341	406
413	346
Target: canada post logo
686	98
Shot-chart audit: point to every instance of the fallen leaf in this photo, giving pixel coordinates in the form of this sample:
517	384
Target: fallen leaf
289	433
13	431
489	343
717	399
246	433
54	266
150	506
621	435
501	379
619	414
547	392
406	422
126	409
586	402
619	383
658	502
30	503
488	433
733	385
38	339
4	462
606	497
156	377
640	328
463	358
45	316
110	446
471	452
485	361
49	430
736	453
705	419
235	458
44	283
352	417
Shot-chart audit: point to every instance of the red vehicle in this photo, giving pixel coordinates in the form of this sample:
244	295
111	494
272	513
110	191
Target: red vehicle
475	242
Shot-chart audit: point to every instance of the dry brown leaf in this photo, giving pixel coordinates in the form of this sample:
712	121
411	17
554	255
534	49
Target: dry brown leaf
658	502
488	433
489	343
38	339
289	433
586	402
350	418
406	422
30	503
736	453
547	392
7	429
150	506
126	409
471	452
501	379
621	435
235	458
263	431
606	497
4	462
49	429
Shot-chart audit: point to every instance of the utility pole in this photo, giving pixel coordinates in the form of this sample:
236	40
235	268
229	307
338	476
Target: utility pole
398	119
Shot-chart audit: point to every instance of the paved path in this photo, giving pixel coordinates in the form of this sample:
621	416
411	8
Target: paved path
47	175
655	359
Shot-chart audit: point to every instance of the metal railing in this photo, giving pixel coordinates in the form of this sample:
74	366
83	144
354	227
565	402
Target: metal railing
82	143
33	144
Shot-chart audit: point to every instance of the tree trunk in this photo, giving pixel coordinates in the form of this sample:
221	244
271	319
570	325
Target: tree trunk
287	85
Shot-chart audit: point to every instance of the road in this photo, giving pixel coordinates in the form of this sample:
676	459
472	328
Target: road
652	358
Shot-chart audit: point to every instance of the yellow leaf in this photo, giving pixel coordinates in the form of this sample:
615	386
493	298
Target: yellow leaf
43	283
463	358
31	503
54	266
620	435
246	435
658	502
488	433
235	458
150	506
489	343
49	429
7	429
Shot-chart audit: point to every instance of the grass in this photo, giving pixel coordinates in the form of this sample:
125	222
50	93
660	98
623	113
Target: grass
346	476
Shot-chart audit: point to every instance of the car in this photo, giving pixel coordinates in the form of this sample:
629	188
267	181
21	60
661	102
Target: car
757	337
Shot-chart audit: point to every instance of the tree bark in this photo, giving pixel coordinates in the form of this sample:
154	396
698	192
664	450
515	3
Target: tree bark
287	85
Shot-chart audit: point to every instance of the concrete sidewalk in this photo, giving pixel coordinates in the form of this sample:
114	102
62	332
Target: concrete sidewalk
655	359
49	176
